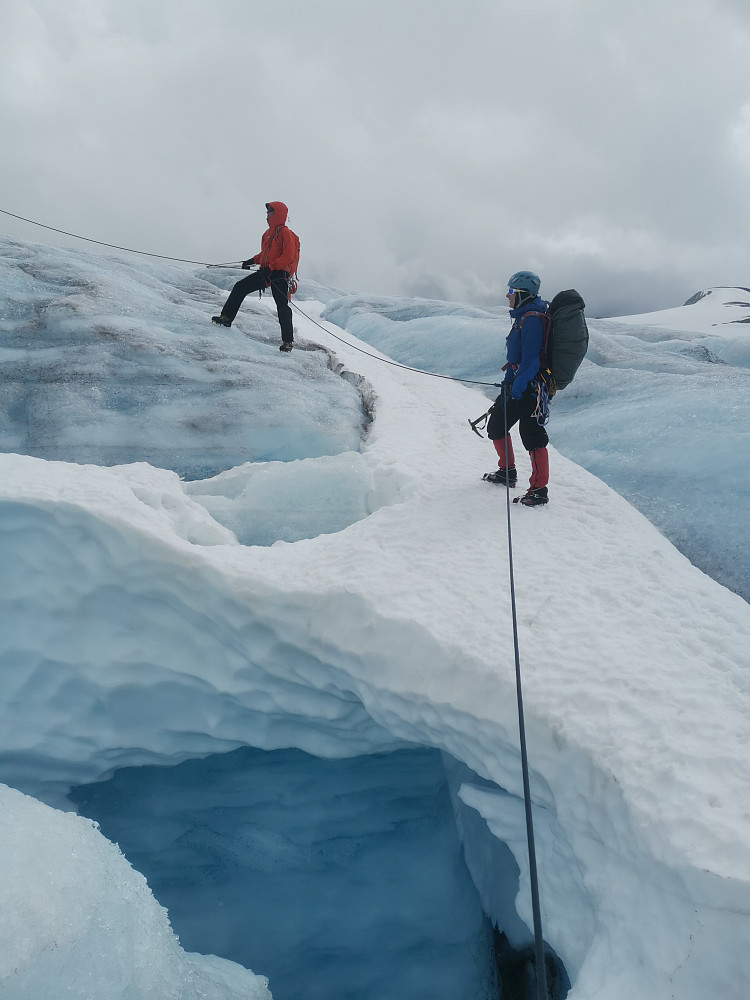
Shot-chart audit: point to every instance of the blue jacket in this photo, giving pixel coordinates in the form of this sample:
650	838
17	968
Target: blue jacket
523	346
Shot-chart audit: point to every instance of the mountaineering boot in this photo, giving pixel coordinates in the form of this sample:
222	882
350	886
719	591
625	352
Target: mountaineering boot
503	477
534	497
286	346
221	320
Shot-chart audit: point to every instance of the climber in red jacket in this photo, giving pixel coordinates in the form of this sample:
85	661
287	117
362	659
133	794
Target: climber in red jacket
277	261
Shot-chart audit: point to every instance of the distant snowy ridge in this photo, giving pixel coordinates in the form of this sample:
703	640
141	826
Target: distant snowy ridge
138	629
705	310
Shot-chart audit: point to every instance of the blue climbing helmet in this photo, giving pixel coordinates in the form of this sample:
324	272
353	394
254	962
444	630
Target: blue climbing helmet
525	281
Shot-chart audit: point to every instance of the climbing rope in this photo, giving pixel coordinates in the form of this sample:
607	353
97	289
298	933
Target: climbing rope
114	246
388	361
236	263
541	968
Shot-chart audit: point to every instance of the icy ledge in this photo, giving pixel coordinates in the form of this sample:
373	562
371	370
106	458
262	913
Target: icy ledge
79	921
140	631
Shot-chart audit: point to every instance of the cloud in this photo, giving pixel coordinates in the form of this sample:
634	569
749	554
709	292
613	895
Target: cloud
421	146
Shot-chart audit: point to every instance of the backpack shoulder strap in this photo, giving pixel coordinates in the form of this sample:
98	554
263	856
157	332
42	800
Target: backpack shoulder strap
546	327
544	316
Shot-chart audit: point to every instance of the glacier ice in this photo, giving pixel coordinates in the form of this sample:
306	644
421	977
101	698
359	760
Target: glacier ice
659	411
78	921
145	624
106	363
311	870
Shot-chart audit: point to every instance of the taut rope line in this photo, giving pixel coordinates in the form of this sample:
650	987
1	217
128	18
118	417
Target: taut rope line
541	968
113	246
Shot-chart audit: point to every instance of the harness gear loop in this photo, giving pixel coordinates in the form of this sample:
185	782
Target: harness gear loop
543	396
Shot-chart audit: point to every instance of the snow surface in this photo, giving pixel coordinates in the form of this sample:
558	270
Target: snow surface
660	409
702	312
141	627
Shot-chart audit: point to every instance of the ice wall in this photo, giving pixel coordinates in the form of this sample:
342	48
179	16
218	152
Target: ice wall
335	877
107	362
78	921
158	648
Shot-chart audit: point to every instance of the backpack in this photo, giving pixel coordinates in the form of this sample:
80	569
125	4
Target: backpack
565	339
294	265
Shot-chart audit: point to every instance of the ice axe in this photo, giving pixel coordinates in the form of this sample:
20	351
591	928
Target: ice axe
481	421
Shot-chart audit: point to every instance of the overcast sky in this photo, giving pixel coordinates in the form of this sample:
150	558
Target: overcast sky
424	147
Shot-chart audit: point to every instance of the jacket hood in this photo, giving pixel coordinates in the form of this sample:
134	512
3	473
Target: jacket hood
280	212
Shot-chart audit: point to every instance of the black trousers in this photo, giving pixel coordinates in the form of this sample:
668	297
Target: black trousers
518	412
280	290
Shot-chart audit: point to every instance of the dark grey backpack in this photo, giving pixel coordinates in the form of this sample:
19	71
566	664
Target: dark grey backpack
567	339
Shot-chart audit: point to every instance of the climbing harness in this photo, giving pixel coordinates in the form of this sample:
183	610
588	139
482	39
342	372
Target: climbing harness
544	387
543	396
291	280
549	380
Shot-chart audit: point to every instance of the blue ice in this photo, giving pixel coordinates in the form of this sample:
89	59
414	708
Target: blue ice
333	878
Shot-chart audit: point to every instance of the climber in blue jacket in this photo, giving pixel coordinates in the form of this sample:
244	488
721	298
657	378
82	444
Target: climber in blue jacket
517	401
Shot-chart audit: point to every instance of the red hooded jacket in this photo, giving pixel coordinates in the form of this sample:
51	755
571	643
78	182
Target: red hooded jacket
278	248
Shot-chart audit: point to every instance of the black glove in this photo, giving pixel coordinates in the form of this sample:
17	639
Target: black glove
506	388
247	264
